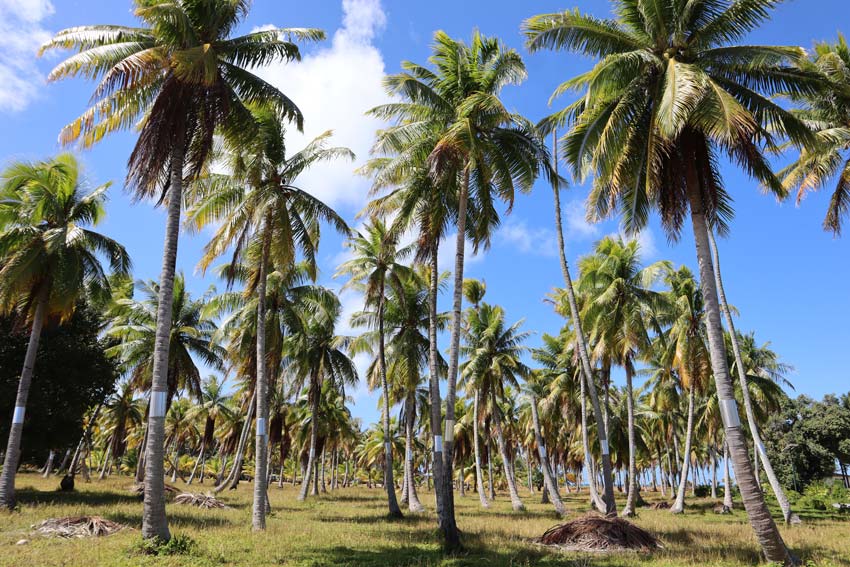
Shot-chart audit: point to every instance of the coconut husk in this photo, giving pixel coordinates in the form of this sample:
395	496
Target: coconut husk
596	533
206	501
77	526
663	505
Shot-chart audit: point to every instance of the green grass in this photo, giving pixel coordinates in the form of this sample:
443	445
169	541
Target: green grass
348	527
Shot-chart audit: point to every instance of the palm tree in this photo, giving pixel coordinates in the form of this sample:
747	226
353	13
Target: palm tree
453	128
619	297
180	76
535	390
50	259
122	413
828	113
214	403
316	355
670	91
266	217
758	446
494	351
375	267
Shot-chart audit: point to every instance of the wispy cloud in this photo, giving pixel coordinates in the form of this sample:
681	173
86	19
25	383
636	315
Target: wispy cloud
21	34
537	241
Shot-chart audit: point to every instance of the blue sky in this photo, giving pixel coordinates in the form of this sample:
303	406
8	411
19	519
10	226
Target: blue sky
785	275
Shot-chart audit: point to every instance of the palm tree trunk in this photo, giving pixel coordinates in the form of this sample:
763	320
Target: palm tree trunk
516	501
595	499
106	462
154	521
760	451
413	503
476	441
315	392
490	486
389	483
261	454
660	470
528	470
236	472
197	462
727	479
13	445
451	534
586	368
434	385
632	489
554	497
713	456
763	525
679	505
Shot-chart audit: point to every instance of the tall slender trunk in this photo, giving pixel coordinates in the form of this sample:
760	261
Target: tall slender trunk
760	451
13	445
389	483
727	479
261	453
106	462
516	501
236	472
551	487
154	521
632	488
763	525
586	368
413	503
595	499
434	384
679	505
713	456
72	468
490	464
315	392
528	467
451	534
476	441
198	461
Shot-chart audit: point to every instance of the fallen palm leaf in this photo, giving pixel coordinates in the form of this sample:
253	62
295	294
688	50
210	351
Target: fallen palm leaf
206	501
596	533
77	526
139	490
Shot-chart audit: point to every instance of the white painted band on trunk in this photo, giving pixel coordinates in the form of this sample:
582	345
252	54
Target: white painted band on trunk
729	413
604	444
450	430
410	454
388	447
543	451
158	404
261	426
762	450
18	416
438	443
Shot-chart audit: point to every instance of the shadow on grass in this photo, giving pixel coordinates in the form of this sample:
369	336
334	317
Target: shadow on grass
176	518
31	496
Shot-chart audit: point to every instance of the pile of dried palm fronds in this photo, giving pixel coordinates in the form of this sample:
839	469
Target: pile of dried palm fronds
139	490
77	526
206	501
663	505
596	533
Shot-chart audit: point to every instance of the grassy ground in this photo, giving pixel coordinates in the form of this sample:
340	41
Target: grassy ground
347	527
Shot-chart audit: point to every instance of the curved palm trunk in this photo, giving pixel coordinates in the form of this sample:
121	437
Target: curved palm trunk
516	501
551	487
236	471
595	499
434	387
413	503
760	451
679	505
632	489
261	453
315	392
13	445
154	521
586	368
479	476
763	525
447	518
197	462
389	483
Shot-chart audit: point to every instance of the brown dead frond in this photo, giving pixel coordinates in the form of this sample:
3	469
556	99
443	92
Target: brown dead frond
206	501
596	533
77	526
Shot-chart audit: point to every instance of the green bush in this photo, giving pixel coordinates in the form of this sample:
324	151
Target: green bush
177	545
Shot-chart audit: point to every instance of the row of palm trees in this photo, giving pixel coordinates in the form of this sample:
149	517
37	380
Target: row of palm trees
671	91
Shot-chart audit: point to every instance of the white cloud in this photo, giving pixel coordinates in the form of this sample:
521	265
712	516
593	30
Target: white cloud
446	254
21	34
575	220
334	87
539	241
646	241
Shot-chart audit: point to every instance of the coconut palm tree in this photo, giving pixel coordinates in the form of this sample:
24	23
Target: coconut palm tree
50	259
535	390
180	75
493	354
121	414
264	215
315	356
214	403
619	298
672	90
375	267
828	113
454	133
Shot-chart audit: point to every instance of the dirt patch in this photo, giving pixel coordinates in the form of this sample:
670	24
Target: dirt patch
596	533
